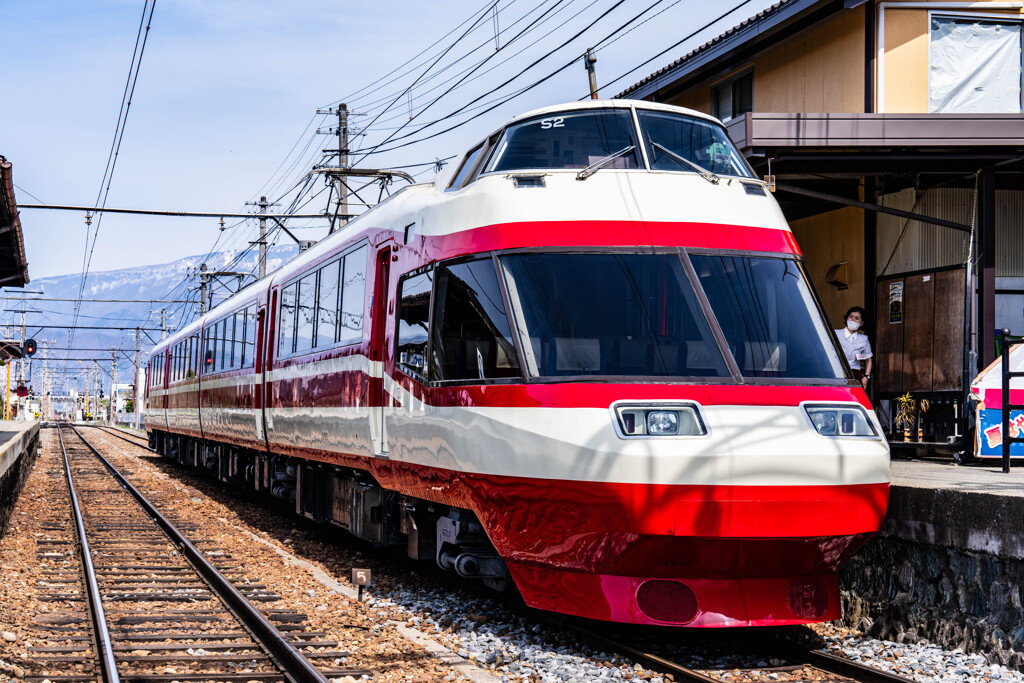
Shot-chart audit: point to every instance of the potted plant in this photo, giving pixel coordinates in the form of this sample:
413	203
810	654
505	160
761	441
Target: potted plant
907	408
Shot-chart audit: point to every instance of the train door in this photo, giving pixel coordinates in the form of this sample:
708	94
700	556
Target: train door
378	329
259	393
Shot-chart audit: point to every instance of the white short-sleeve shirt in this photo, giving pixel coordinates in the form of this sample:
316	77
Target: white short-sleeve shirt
855	345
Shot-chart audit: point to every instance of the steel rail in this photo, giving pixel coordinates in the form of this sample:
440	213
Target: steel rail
794	652
108	665
294	663
837	665
113	431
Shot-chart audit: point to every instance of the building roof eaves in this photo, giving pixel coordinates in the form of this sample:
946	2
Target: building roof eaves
772	19
12	242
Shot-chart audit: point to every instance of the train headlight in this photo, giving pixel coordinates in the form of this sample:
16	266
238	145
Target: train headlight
660	419
662	422
840	420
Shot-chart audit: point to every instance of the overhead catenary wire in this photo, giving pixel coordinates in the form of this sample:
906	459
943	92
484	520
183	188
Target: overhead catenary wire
473	70
531	86
122	119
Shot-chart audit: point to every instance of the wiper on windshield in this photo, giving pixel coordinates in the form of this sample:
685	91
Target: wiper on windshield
707	175
601	163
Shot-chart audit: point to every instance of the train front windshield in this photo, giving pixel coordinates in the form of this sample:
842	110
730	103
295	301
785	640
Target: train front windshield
640	315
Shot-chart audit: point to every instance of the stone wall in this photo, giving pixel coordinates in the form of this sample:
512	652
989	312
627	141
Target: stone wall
12	481
908	590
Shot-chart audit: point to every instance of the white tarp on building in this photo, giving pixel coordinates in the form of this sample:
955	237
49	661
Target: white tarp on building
974	65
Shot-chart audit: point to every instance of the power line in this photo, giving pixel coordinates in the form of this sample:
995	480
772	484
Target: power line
115	148
106	301
93	327
154	212
471	72
533	85
678	43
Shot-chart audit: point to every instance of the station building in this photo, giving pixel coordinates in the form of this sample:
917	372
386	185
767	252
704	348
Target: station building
895	133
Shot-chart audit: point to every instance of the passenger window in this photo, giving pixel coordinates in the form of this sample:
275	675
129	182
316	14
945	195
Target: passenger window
286	335
249	348
471	332
192	351
210	333
223	345
353	297
305	312
238	321
413	317
467	165
327	306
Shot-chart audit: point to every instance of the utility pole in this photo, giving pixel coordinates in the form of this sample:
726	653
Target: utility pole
341	207
202	277
88	376
21	366
589	60
163	324
136	395
112	404
343	163
263	240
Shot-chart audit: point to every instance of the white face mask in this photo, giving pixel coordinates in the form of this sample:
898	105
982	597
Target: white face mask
854	326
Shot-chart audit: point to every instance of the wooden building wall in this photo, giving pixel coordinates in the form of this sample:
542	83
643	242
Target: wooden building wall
828	239
820	70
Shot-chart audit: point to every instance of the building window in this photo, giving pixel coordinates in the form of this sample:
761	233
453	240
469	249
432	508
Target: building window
974	65
734	97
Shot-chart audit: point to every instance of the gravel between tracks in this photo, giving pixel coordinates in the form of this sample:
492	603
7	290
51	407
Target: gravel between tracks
311	572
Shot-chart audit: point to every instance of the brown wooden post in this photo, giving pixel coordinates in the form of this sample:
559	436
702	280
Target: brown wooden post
986	267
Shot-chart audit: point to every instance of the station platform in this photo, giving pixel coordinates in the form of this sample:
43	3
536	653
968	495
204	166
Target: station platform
976	508
14	439
948	566
18	445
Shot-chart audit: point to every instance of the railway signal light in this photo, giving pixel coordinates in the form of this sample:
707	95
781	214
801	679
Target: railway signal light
30	347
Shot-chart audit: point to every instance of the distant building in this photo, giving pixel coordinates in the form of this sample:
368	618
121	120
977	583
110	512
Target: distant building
122	394
895	133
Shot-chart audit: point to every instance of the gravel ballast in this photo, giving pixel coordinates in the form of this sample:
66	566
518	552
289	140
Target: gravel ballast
475	637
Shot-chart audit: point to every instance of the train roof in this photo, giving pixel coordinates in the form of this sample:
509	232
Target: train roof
610	104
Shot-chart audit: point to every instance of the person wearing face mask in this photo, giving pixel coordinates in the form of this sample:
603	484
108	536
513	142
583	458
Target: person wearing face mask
856	345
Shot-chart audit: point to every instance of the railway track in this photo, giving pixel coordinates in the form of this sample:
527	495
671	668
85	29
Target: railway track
790	661
143	603
124	436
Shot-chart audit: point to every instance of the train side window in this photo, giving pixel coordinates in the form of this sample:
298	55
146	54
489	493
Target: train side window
235	330
413	320
304	312
327	305
249	348
209	335
229	342
471	336
467	165
286	335
223	349
353	298
193	350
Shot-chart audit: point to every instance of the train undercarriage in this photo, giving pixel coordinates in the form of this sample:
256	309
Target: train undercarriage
352	500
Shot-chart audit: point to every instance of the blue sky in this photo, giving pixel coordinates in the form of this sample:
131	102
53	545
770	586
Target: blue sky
227	88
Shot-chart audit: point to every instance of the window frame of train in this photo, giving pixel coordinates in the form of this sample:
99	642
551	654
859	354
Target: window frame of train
699	313
338	263
435	370
228	353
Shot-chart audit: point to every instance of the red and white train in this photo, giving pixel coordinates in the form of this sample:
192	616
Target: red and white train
589	362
